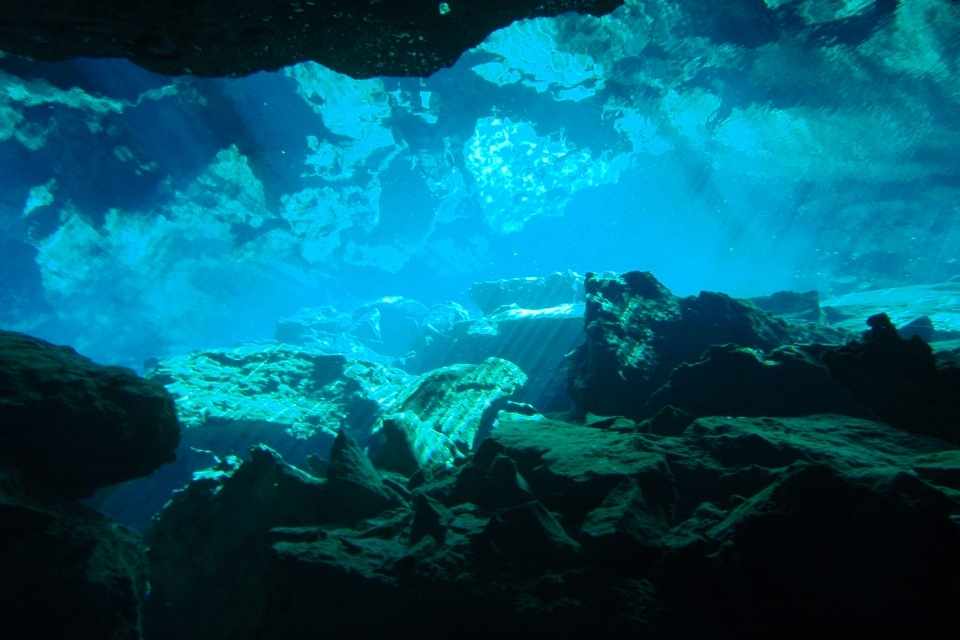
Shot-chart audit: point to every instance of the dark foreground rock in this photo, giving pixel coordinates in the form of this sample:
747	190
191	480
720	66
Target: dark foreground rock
69	572
731	527
215	37
900	380
69	426
738	381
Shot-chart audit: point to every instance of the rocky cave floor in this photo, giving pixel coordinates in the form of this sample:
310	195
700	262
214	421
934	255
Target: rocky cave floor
590	455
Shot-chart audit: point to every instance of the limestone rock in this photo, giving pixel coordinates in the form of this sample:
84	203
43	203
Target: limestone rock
448	410
295	400
70	426
637	332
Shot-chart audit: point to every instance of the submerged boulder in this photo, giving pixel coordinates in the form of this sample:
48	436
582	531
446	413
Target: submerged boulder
295	400
440	417
70	426
900	380
739	381
637	332
69	572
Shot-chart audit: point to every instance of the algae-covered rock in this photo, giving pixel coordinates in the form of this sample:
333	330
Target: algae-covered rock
292	399
69	426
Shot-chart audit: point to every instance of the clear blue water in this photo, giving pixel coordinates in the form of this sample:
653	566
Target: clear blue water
143	216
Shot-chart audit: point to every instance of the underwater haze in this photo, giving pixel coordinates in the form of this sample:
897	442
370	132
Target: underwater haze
145	215
641	320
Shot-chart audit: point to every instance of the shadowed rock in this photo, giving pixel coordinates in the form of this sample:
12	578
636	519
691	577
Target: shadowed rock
70	426
216	37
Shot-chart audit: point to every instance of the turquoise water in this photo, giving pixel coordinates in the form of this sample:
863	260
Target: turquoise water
144	216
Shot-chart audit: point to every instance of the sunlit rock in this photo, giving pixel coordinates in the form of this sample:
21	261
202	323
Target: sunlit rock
446	412
537	340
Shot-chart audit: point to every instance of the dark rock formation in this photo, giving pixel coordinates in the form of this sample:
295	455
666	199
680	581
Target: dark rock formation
758	525
215	37
528	293
921	327
70	426
69	572
899	380
792	305
637	332
738	381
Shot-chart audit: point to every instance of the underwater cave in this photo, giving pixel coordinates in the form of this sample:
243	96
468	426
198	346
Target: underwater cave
580	317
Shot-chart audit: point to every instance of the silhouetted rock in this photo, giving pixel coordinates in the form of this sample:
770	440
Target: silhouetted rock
214	37
70	426
359	489
825	546
792	305
921	327
899	380
738	381
637	332
69	572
